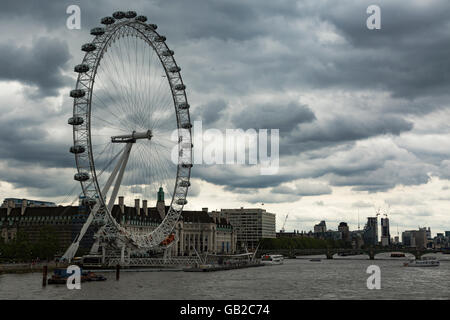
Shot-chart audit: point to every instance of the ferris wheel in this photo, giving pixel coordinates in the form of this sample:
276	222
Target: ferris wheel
131	129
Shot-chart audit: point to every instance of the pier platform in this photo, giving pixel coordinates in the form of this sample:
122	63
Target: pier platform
211	268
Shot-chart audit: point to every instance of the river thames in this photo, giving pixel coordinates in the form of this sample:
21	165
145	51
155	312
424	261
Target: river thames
296	279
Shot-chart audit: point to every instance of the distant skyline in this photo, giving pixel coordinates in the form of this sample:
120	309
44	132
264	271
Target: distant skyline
363	114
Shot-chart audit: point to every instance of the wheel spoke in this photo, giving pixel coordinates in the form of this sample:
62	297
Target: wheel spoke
131	101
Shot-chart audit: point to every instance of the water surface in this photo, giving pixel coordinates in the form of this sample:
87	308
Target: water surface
343	278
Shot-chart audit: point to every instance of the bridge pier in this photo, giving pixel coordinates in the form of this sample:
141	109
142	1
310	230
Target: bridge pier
371	255
329	254
418	254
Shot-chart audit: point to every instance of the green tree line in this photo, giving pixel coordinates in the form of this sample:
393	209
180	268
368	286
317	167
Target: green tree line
20	249
301	243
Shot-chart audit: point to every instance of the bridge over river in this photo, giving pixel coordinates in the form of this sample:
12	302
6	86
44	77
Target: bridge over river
329	252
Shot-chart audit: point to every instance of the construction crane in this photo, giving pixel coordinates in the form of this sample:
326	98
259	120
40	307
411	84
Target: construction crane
284	224
387	211
378	212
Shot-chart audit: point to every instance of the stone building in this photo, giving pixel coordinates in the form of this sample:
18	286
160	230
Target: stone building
345	231
251	225
64	222
320	227
415	238
195	230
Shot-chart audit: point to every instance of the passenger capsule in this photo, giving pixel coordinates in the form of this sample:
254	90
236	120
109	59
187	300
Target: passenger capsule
186	126
108	20
89	202
81	176
81	68
183	106
130	14
168	53
97	31
185	184
75	121
160	39
141	18
76	149
175	69
88	47
119	15
180	87
181	201
152	26
187	145
77	93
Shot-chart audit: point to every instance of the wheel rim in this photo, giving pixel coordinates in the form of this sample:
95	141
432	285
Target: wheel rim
93	161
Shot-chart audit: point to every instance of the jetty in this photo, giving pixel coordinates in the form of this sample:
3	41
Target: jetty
217	267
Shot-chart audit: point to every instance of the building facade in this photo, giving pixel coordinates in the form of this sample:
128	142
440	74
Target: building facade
251	225
321	227
371	232
195	232
415	238
63	222
385	235
345	231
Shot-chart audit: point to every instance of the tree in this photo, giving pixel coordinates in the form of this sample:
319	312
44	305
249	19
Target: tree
47	245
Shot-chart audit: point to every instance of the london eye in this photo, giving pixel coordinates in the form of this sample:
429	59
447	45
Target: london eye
131	129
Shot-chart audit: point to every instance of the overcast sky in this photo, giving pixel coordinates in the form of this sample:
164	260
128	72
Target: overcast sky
363	114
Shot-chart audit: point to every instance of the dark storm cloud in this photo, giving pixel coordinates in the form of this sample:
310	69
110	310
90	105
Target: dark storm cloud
46	11
26	142
285	193
407	56
41	181
341	129
210	112
241	177
40	65
52	14
384	178
408	64
273	116
342	162
239	48
396	58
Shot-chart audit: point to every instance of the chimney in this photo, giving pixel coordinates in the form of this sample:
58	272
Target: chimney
9	207
24	206
121	205
205	210
136	205
144	206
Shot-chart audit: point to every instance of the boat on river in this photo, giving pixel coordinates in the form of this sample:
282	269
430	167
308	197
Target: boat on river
272	259
397	255
60	276
425	262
